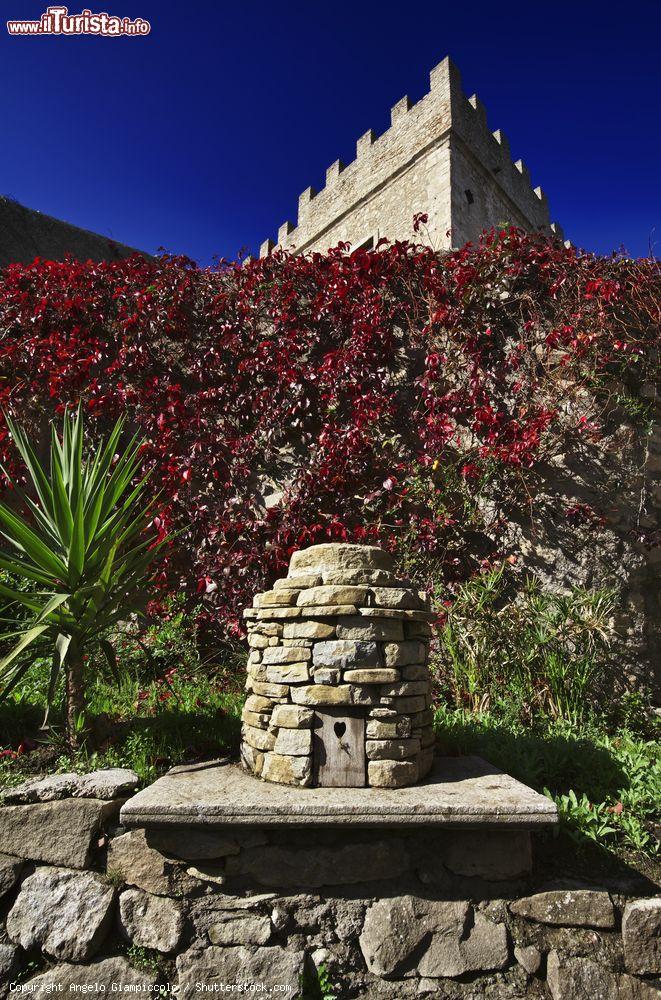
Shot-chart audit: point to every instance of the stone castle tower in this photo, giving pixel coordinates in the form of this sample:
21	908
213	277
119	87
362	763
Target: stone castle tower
438	158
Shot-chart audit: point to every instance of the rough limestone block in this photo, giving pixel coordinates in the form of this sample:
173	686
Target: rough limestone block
357	578
294	742
375	629
322	694
288	673
286	770
567	908
255	703
377	730
400	599
268	690
111	783
274	966
58	833
292	717
252	759
392	749
392	773
374	676
385	613
150	921
107	975
231	928
285	654
10	869
301	643
484	948
573	978
427	738
409	706
268	614
260	739
425	761
491	855
10	966
65	913
310	868
258	641
641	933
329	611
406	689
255	656
415	672
269	629
327	675
338	557
346	654
190	844
259	720
321	596
399	654
276	599
416	630
302	581
383	712
308	630
529	958
368	695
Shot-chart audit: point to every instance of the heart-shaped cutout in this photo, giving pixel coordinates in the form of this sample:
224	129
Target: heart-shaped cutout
340	729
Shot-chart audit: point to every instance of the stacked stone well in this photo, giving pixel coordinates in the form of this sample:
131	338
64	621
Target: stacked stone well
338	679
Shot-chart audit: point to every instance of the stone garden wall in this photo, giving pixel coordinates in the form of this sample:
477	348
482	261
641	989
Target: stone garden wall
389	914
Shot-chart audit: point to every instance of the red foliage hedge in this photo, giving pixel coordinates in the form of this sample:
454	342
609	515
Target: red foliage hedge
385	394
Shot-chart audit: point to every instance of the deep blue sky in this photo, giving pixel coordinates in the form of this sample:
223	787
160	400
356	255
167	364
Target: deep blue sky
201	136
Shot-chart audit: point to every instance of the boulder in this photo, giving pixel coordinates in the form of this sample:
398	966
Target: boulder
10	869
111	975
112	783
57	832
641	934
272	966
65	913
150	921
578	978
567	908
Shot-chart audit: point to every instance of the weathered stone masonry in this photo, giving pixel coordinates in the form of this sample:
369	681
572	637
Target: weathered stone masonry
392	914
439	158
338	683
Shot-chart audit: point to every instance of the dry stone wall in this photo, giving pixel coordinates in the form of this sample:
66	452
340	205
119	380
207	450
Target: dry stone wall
394	915
338	668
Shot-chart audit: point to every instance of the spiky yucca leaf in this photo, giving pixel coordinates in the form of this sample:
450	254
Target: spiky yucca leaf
84	542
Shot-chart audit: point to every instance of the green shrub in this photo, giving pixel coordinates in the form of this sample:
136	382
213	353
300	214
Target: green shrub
537	650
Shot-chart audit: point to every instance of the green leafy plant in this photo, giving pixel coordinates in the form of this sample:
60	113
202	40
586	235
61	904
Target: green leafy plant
83	541
532	647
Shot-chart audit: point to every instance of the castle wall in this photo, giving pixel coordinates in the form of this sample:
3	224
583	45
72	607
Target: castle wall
26	234
432	153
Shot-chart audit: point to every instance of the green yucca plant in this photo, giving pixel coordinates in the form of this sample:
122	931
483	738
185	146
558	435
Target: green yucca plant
86	549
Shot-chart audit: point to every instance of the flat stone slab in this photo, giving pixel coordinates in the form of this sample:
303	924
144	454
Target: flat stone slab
458	792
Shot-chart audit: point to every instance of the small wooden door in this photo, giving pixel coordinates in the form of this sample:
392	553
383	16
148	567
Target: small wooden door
339	748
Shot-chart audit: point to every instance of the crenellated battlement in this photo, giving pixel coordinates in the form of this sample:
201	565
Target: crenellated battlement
416	165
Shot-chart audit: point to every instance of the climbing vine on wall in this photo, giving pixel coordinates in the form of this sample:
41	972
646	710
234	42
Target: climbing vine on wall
397	396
